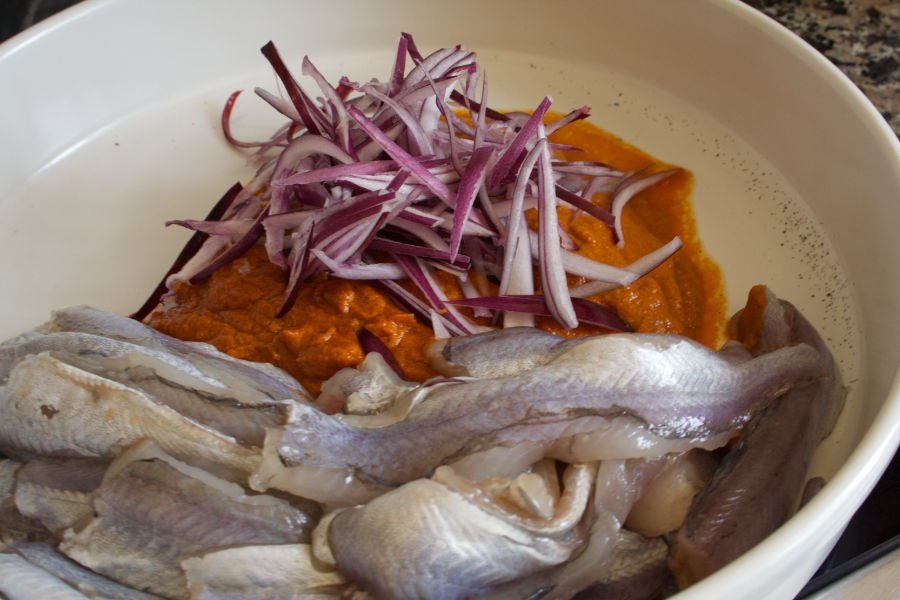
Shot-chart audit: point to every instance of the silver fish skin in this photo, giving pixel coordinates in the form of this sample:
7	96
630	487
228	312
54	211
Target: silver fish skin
757	486
57	491
87	582
618	486
210	394
493	354
639	570
677	388
14	526
271	572
21	580
271	381
8	470
153	512
447	538
48	407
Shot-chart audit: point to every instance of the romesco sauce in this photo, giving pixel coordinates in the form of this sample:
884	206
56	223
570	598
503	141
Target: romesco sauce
235	308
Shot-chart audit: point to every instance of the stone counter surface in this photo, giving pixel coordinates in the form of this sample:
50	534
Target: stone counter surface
861	37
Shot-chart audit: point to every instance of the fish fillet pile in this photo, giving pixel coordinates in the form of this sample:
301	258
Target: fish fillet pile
138	466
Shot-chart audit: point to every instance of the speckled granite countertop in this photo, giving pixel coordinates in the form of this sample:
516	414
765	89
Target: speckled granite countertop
861	37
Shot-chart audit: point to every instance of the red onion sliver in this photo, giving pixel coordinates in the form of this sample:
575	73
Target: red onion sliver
553	274
598	212
190	248
230	228
403	157
512	153
332	173
576	264
576	115
369	342
301	101
236	250
627	189
587	312
421	251
471	182
359	271
640	268
517	231
226	124
489	112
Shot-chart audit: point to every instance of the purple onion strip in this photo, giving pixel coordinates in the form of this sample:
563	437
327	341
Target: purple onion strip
598	212
640	268
301	101
587	312
403	158
469	185
231	228
628	189
190	249
234	251
369	342
395	247
553	274
513	152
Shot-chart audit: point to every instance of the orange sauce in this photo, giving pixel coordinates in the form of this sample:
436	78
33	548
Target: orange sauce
235	309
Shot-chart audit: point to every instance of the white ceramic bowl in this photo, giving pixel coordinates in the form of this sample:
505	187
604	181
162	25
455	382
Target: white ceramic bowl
109	111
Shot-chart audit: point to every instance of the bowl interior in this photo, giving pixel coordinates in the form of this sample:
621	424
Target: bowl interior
796	174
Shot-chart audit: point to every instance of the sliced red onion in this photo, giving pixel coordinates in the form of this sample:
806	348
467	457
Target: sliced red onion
469	185
394	247
403	158
299	149
413	127
336	172
232	228
587	312
301	101
399	69
519	281
598	212
236	250
298	261
440	325
435	295
585	167
575	264
513	153
359	270
553	274
576	115
489	112
417	216
627	189
226	124
244	206
369	342
327	202
640	268
341	124
190	249
285	108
